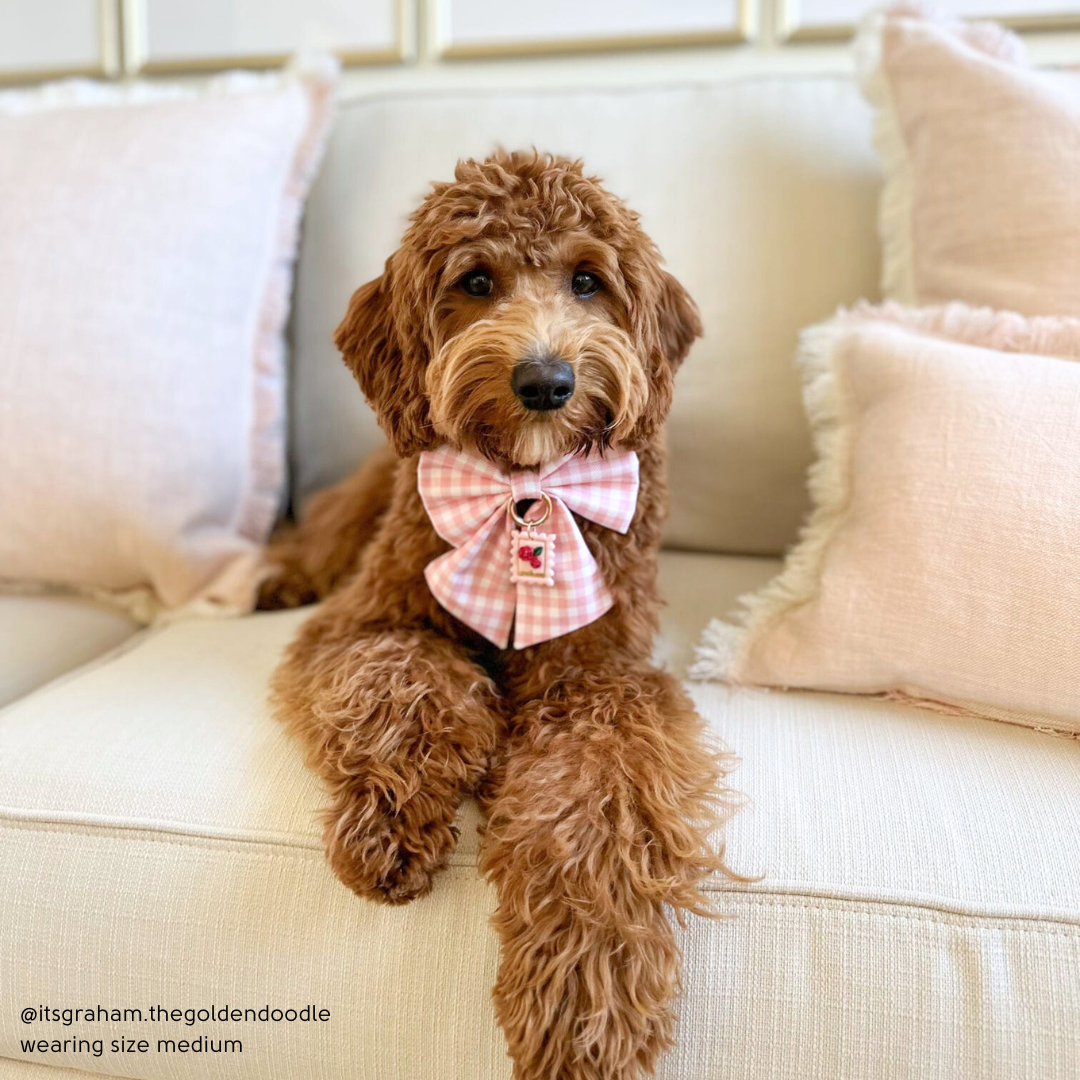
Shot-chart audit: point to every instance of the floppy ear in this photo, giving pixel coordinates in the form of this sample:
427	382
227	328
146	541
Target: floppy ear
668	323
387	363
679	321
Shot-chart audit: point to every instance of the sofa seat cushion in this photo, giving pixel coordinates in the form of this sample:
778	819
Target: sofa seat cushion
919	913
10	1069
45	636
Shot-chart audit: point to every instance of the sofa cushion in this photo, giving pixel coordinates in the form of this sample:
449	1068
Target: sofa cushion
691	581
44	636
159	844
760	193
99	750
938	565
29	1070
149	239
980	201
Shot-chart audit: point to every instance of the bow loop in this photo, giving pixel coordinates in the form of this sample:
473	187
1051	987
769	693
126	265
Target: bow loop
525	484
467	499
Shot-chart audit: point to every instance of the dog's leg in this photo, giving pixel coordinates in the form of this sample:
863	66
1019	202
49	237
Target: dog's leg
399	724
305	561
598	835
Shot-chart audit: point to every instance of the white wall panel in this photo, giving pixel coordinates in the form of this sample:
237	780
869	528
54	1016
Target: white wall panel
181	34
497	27
535	42
812	18
55	36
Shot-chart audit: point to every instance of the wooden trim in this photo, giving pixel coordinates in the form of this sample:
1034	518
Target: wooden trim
17	76
110	36
136	61
789	28
746	29
1050	23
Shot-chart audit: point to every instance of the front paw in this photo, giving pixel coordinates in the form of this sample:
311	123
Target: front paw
384	851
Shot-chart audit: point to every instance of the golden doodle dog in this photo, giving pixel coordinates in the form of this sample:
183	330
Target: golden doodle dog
519	351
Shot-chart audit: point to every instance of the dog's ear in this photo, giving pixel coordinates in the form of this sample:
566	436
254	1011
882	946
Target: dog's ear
679	321
386	359
666	325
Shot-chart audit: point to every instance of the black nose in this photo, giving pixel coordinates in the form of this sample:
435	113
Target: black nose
543	384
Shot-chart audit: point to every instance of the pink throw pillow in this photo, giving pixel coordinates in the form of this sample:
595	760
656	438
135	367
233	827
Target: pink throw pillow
148	239
940	562
982	158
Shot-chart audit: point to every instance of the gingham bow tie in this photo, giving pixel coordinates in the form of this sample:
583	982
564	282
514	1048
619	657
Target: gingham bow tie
536	573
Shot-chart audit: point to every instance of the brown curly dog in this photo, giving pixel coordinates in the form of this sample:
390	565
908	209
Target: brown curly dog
599	787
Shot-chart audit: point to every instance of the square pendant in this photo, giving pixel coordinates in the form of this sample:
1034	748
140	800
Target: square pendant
532	557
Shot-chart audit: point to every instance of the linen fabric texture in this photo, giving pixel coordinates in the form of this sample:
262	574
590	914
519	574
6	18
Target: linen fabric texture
981	202
149	234
939	562
165	848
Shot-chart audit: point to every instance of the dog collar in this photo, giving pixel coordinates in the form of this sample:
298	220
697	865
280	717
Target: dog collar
533	573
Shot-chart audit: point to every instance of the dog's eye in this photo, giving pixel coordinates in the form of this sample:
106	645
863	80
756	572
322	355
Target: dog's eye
477	283
584	284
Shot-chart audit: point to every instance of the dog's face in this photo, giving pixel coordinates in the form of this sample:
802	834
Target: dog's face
526	315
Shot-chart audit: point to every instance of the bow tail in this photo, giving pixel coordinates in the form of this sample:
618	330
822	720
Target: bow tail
578	597
478	571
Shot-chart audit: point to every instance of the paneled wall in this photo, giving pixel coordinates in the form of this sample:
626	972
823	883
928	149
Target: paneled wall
162	35
836	18
44	38
494	28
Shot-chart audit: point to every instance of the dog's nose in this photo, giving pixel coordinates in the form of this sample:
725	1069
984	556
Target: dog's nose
543	383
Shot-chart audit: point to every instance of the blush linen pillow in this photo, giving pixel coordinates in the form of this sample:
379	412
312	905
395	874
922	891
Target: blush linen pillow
940	562
981	154
145	268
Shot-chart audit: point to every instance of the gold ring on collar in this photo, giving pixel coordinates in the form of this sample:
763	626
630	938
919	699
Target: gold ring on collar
511	506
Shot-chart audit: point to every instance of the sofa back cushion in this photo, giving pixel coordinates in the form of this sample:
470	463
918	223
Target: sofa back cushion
761	195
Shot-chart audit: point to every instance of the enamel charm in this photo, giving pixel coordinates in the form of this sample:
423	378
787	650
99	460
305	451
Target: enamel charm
532	553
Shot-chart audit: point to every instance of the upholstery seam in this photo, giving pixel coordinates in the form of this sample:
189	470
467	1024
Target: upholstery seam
136	638
358	101
914	911
255	845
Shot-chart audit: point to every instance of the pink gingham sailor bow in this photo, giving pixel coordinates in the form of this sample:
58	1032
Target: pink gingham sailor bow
551	592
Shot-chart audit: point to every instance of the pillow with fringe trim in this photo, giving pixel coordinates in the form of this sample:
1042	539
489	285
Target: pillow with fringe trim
145	278
981	201
939	562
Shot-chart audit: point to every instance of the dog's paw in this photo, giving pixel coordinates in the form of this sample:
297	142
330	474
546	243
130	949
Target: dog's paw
387	854
284	584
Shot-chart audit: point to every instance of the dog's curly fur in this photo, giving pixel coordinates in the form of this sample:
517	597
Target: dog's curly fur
600	790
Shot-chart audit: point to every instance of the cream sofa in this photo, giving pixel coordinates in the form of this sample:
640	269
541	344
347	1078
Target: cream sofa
918	914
